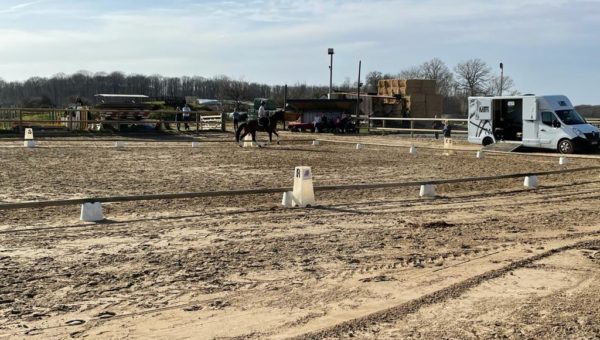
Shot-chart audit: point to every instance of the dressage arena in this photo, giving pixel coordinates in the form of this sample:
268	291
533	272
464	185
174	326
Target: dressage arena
483	259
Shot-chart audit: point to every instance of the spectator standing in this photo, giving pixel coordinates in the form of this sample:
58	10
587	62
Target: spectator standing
178	118
447	129
185	115
236	120
436	125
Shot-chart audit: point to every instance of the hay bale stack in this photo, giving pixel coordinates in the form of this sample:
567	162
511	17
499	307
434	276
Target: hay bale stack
421	99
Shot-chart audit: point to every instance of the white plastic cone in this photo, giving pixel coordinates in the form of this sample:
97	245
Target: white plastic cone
91	212
303	194
563	160
288	199
315	142
360	146
119	144
412	150
531	182
479	155
195	144
427	190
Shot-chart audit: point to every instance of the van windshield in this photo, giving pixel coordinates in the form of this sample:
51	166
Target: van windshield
570	117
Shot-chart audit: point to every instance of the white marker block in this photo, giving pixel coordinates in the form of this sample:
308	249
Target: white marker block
448	146
28	134
412	150
119	145
288	199
360	146
29	143
248	143
316	142
427	190
563	160
303	194
91	212
531	182
479	155
195	144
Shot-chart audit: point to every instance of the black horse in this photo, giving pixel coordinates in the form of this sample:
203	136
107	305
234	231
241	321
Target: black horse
252	126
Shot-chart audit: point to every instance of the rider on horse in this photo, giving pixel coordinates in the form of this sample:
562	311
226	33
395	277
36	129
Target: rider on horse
263	116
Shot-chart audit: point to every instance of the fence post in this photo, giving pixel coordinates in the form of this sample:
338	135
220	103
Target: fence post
412	127
197	124
20	121
224	121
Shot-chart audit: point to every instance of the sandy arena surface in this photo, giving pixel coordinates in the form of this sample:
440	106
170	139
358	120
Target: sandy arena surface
482	260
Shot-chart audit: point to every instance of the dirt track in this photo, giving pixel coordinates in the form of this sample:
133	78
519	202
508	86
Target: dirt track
483	259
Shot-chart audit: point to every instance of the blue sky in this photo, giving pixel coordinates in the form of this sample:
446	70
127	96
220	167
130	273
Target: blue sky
547	47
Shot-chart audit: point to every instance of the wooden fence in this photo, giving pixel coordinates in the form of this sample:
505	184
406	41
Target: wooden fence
16	119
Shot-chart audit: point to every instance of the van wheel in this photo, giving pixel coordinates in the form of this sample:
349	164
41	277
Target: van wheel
565	146
487	141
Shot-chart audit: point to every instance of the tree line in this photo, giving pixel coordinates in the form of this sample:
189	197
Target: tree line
471	77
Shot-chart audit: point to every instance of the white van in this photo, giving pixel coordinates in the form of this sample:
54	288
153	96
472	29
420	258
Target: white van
549	122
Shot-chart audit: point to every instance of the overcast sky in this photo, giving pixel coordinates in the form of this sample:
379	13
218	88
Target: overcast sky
547	46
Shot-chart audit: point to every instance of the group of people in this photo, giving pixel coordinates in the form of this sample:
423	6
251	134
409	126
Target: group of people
341	124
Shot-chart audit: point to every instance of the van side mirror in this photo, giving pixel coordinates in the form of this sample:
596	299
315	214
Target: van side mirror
555	123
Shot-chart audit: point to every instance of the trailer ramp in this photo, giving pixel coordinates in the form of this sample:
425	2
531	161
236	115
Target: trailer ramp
503	146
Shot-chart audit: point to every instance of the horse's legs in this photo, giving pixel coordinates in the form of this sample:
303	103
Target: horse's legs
276	134
254	139
241	141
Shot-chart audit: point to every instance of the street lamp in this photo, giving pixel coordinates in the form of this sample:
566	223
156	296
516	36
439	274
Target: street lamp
330	52
501	77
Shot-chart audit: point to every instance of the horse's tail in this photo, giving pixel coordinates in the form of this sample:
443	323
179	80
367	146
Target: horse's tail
238	132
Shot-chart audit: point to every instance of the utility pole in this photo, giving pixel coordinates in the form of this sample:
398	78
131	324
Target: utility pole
501	78
358	97
330	52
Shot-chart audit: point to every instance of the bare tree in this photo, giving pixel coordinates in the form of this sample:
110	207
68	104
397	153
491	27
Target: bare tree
507	84
436	69
473	76
414	72
372	80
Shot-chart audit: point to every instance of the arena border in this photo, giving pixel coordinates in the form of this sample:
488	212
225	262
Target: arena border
186	195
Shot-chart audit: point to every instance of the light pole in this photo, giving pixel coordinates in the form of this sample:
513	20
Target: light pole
501	77
330	52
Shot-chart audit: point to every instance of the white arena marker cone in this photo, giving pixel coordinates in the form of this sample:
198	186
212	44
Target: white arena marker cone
427	190
119	145
288	199
195	144
530	182
360	146
28	134
448	145
479	155
315	142
412	150
29	142
91	212
563	160
248	141
303	194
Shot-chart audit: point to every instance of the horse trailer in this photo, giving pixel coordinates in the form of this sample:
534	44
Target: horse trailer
549	122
